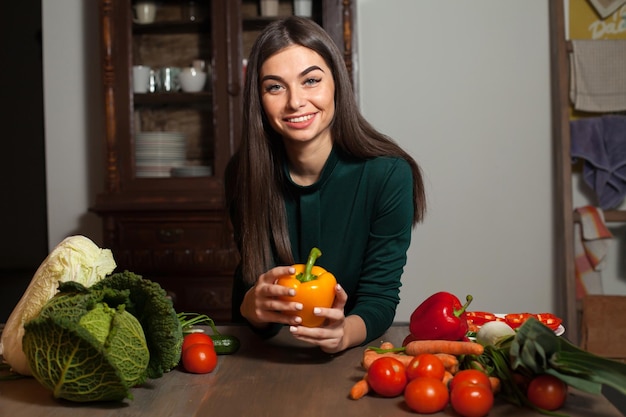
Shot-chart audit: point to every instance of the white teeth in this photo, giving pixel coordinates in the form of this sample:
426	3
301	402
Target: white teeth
300	119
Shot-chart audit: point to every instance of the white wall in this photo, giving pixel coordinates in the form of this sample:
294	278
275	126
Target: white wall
464	86
73	112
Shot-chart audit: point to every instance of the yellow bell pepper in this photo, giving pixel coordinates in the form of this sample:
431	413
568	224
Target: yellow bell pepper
315	287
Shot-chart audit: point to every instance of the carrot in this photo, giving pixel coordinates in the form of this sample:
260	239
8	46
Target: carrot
495	384
370	356
450	362
455	348
386	345
360	389
447	377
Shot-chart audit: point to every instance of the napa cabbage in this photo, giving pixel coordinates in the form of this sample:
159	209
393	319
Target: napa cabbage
77	259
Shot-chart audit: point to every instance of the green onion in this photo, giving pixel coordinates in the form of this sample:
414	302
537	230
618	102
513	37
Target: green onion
539	350
188	320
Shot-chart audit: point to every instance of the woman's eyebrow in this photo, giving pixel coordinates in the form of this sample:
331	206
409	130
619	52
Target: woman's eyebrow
309	69
302	74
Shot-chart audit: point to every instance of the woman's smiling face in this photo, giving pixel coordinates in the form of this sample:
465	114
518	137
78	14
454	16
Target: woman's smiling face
298	94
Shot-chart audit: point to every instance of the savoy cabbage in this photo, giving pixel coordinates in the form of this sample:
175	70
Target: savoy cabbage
94	344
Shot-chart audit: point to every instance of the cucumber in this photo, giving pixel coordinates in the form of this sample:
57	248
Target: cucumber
225	345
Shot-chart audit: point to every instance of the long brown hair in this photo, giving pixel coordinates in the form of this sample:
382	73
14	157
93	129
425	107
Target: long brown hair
254	179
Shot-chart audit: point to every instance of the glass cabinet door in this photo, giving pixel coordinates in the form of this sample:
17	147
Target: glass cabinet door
171	72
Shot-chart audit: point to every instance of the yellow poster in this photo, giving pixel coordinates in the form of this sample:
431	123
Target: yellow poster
585	23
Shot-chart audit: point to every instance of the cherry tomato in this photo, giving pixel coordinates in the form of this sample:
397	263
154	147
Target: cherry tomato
426	395
472	376
547	392
387	376
471	400
425	365
194	338
550	320
199	358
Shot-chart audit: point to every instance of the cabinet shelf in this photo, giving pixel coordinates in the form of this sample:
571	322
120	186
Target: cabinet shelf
172	27
610	216
615	216
176	98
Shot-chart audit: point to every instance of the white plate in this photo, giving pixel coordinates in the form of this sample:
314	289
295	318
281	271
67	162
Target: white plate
559	330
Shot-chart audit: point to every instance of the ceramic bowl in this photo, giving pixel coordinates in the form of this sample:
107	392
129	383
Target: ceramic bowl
192	80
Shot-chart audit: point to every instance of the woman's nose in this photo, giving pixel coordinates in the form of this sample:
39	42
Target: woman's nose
296	99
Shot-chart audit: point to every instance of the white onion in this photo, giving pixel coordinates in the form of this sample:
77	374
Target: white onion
492	331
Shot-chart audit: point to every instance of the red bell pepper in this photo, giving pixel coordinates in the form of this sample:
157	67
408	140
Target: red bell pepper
550	320
441	316
515	320
478	318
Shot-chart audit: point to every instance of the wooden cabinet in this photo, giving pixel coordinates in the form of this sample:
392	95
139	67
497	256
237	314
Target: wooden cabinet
166	149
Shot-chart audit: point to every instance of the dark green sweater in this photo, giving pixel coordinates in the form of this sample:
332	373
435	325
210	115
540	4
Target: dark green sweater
359	214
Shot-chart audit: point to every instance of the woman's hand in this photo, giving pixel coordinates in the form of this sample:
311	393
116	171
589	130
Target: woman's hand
261	305
338	331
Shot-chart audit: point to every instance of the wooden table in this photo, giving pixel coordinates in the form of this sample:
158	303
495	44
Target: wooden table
276	378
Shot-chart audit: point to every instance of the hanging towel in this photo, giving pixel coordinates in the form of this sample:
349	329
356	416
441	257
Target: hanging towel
598	75
601	143
591	242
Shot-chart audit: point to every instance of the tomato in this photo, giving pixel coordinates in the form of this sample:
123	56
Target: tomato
387	376
550	320
199	358
425	365
471	400
547	392
194	338
517	319
426	395
472	376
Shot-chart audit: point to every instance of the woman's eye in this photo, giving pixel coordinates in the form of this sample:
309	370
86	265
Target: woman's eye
312	81
271	88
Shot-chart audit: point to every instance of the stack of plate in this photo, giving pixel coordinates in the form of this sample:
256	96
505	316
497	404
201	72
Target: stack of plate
156	153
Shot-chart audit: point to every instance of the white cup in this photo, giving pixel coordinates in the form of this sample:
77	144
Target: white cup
191	80
303	8
141	78
144	12
269	7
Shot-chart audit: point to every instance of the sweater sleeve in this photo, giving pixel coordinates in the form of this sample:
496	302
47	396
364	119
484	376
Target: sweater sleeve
378	292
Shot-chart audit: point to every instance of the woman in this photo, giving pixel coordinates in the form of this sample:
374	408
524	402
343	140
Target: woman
312	172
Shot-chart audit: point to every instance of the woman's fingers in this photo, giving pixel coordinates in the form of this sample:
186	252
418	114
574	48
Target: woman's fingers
341	297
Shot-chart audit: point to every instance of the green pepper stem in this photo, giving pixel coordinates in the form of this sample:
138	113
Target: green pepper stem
469	299
307	275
